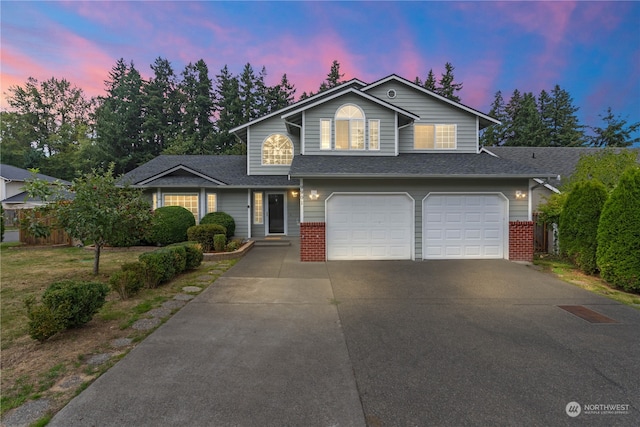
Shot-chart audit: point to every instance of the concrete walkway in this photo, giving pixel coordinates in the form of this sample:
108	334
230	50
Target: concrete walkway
278	342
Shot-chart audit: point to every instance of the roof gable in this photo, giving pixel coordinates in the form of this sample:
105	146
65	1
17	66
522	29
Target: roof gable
485	120
175	171
13	173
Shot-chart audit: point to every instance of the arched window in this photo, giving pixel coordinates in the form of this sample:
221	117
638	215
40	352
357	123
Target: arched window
349	128
277	149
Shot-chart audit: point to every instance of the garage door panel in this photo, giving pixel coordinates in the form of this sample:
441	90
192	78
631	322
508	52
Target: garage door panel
463	226
380	226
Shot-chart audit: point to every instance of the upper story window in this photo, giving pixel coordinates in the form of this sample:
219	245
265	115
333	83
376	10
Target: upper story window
349	128
430	137
374	134
277	149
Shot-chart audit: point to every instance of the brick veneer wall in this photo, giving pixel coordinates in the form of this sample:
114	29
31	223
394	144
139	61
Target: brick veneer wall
312	241
521	241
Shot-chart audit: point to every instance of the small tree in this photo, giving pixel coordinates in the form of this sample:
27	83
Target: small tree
99	211
579	223
618	253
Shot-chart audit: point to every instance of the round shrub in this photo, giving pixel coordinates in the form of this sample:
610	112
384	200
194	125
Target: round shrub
126	283
618	253
75	303
43	322
223	219
169	225
579	220
194	253
205	234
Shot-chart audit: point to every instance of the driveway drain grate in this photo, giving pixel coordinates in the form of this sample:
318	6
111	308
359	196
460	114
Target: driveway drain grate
587	314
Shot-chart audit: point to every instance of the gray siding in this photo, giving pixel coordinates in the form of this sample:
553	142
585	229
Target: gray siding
257	134
372	111
314	210
235	204
431	111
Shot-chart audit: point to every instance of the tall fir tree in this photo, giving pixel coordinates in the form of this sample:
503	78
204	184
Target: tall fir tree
563	126
615	133
446	86
495	135
119	119
162	115
430	82
229	109
198	106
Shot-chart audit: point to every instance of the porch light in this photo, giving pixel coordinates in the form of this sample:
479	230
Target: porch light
313	195
294	193
521	195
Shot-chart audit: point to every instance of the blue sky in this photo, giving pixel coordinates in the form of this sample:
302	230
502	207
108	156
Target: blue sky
591	49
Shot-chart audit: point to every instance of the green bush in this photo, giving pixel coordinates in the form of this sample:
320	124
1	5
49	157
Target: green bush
159	267
204	234
1	224
233	245
579	220
169	225
223	219
178	258
618	252
43	323
75	302
126	283
219	242
194	254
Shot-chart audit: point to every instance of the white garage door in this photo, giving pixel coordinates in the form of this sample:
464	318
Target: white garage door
367	226
464	226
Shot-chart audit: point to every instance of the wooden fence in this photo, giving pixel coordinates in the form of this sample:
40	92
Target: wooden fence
540	236
57	236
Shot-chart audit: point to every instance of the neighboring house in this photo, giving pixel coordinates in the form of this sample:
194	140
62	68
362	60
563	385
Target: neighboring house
387	170
12	194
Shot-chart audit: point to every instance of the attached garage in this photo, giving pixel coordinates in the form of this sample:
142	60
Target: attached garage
471	226
369	226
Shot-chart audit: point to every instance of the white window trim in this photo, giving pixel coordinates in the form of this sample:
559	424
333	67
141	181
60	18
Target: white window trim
276	164
435	140
369	134
258	219
350	141
330	147
196	195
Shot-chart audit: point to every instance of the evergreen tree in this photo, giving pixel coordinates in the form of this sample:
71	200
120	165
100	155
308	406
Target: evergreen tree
162	108
446	86
281	95
430	83
334	78
616	132
495	135
562	125
198	106
119	120
229	108
247	92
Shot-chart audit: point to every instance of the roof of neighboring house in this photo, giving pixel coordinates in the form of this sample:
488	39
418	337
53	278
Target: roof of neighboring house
560	161
201	171
13	173
422	165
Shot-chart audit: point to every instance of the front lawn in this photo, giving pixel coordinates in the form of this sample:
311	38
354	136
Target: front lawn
63	365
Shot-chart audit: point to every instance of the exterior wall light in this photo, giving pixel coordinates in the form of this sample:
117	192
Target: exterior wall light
294	193
313	195
521	195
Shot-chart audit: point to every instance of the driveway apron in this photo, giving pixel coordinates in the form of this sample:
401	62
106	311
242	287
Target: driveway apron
386	343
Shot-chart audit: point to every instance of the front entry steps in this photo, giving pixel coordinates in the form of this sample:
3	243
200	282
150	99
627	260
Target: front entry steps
272	241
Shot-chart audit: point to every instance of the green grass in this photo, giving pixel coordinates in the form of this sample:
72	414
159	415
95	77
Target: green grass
567	271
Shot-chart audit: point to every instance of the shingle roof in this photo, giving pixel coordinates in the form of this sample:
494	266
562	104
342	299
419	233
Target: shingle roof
425	165
210	171
558	160
13	173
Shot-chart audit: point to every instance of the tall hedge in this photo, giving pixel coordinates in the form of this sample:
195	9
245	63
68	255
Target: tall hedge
579	220
169	225
618	253
223	219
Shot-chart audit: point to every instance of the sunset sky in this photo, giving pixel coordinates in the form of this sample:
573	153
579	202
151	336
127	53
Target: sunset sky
591	49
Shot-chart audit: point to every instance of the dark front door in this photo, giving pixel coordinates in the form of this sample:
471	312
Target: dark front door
276	213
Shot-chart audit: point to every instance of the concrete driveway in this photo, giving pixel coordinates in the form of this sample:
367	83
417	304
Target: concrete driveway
278	342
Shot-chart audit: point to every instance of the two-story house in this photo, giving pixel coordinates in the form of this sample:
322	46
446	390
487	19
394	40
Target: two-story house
387	170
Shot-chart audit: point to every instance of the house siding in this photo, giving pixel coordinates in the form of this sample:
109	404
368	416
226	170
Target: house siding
258	134
235	204
372	111
431	111
418	189
292	213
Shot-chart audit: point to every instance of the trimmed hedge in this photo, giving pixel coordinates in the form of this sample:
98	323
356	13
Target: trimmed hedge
618	253
223	219
169	225
205	235
194	254
219	242
66	304
579	220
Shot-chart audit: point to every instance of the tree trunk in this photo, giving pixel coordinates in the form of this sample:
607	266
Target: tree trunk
96	259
